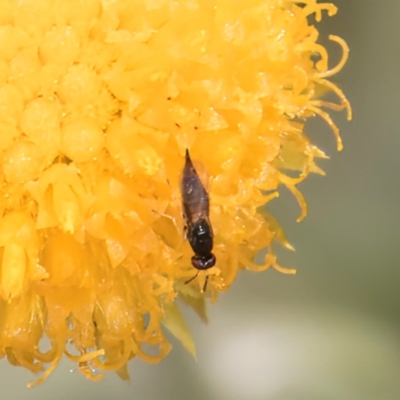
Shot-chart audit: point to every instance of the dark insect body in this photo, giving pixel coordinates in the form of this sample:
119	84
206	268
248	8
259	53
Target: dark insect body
196	210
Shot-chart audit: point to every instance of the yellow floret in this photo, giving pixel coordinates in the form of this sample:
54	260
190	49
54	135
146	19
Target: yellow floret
98	102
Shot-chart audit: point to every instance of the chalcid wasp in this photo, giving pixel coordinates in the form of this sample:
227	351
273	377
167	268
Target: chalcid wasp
196	210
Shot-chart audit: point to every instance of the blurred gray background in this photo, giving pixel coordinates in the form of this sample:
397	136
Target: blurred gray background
331	331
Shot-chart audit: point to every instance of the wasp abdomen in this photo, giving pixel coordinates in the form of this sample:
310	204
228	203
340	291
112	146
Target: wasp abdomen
194	196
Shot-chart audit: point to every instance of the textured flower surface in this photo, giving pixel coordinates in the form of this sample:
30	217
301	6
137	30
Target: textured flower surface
98	102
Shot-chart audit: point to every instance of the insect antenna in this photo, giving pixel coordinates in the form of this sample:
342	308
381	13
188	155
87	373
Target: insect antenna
205	284
192	278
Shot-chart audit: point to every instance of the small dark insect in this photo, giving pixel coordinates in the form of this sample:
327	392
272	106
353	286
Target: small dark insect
196	209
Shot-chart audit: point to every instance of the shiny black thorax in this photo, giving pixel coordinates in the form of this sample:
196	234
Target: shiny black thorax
196	208
200	237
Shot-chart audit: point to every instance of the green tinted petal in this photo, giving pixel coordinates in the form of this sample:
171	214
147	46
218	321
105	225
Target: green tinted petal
175	323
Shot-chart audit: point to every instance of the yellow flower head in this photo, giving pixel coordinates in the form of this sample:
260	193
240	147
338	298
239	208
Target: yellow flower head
98	102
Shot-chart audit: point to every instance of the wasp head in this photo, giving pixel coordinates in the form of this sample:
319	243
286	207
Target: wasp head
202	263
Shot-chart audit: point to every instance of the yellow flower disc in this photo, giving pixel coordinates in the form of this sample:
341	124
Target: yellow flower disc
98	102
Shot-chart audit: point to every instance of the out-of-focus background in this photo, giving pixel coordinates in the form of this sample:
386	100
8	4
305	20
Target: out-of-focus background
332	331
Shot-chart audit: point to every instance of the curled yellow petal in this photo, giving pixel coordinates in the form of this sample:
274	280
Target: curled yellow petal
13	270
